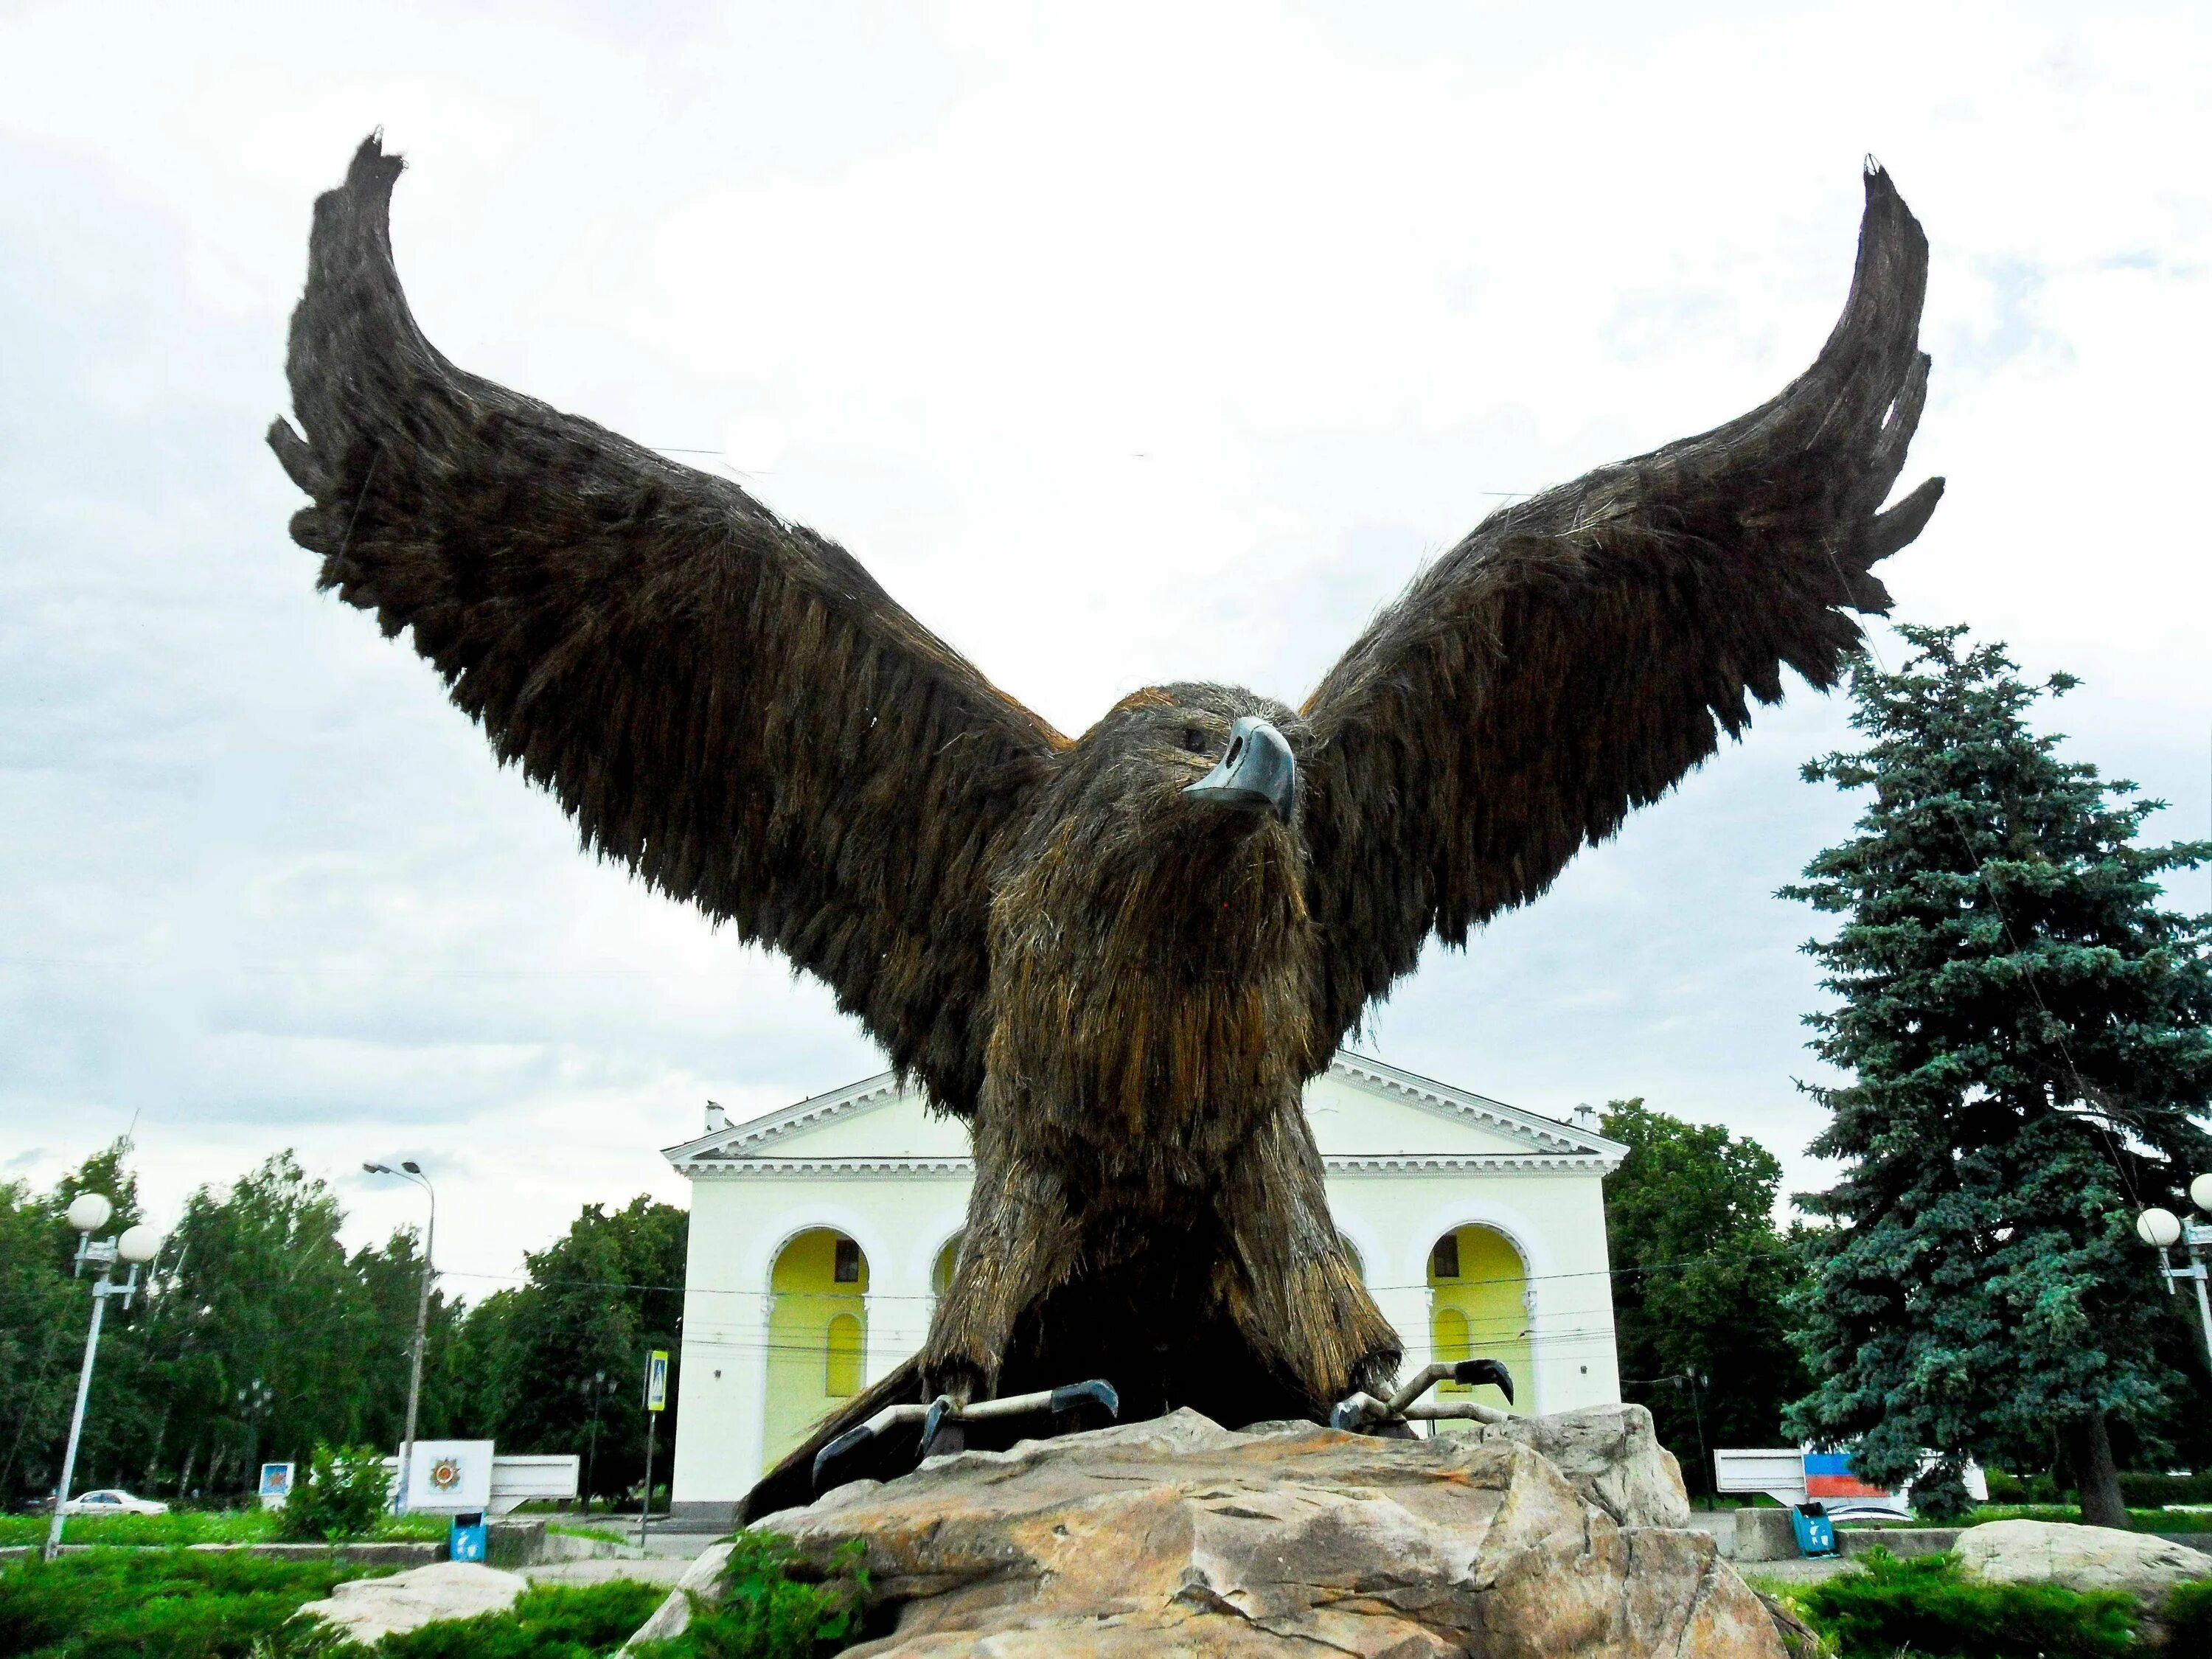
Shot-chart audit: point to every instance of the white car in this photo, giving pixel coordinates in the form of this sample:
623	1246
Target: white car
112	1500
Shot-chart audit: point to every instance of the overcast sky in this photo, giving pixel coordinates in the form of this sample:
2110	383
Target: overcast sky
1124	343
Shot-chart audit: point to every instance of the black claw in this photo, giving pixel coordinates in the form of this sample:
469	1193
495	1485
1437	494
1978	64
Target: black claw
1096	1392
1473	1373
941	1412
844	1446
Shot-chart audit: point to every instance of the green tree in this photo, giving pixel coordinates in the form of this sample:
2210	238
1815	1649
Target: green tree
599	1299
2025	1032
1701	1280
44	1309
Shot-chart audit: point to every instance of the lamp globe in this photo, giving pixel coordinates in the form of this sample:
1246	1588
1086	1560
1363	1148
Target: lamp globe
89	1212
2200	1192
138	1244
2158	1228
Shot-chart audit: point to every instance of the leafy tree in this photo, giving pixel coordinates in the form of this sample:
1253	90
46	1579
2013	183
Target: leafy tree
1700	1283
598	1300
262	1337
44	1309
2025	1031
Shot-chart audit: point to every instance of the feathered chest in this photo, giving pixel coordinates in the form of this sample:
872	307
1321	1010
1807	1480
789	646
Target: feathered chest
1149	1004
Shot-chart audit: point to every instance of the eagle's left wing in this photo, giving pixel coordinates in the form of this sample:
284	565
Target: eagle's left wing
725	702
1582	650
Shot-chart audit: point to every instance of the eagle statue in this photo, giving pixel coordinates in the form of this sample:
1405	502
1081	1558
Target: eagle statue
1115	958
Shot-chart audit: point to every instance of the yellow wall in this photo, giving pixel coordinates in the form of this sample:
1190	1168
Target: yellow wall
803	1362
1480	1313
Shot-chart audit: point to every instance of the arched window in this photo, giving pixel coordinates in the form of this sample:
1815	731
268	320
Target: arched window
1352	1254
1478	1310
818	1334
940	1274
842	1375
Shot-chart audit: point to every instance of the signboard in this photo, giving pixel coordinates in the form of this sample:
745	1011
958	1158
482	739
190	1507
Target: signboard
1795	1475
517	1480
656	1381
1830	1480
449	1476
276	1484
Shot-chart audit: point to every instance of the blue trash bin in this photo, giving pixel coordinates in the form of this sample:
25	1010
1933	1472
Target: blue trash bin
465	1542
1816	1533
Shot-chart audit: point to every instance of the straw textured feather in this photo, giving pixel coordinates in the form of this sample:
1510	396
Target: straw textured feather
1121	986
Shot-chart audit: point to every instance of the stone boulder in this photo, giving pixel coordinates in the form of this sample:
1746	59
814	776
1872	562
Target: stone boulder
1610	1454
367	1609
2080	1558
1177	1536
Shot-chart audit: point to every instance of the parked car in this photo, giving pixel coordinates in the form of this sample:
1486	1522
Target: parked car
113	1500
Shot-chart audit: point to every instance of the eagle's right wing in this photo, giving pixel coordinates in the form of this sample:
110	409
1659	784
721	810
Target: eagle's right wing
1582	650
725	702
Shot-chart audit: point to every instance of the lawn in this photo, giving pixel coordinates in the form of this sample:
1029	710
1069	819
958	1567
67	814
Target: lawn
2143	1520
188	1604
190	1527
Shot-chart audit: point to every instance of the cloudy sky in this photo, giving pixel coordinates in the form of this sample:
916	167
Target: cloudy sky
1122	343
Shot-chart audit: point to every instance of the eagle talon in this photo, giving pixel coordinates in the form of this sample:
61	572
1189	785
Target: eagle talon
1392	1418
943	1424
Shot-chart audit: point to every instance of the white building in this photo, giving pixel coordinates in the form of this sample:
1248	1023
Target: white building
820	1236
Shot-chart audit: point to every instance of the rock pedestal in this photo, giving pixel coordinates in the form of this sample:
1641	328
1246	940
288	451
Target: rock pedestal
1178	1536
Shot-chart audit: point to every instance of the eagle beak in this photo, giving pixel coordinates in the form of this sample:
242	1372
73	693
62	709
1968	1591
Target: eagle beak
1258	770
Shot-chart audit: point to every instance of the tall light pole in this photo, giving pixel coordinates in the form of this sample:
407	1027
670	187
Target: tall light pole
89	1212
2161	1230
411	1170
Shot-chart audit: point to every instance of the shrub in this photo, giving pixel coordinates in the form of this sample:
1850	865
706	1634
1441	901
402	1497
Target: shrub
556	1621
2187	1616
342	1497
176	1604
2151	1491
773	1606
1925	1606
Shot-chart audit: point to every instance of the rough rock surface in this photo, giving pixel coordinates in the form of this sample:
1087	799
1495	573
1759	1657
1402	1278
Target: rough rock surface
1178	1537
1611	1456
2080	1557
366	1609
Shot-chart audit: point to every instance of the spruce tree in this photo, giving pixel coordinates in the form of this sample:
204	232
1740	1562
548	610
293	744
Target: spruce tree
2025	1031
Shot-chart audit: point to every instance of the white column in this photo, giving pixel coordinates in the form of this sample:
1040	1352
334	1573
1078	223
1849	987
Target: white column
898	1295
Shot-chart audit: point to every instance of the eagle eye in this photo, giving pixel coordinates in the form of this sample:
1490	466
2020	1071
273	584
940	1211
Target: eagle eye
1195	739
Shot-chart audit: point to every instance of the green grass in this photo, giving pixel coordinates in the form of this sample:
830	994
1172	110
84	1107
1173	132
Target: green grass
2143	1520
178	1604
186	1604
190	1527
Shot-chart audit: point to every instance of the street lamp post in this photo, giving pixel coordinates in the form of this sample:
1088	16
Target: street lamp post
89	1212
411	1170
2161	1230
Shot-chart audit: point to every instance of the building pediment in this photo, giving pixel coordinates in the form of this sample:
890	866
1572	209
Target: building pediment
1368	1117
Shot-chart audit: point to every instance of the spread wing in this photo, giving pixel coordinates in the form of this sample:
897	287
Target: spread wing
727	702
1580	651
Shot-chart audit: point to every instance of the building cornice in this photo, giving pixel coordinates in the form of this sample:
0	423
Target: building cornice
740	1167
741	1150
